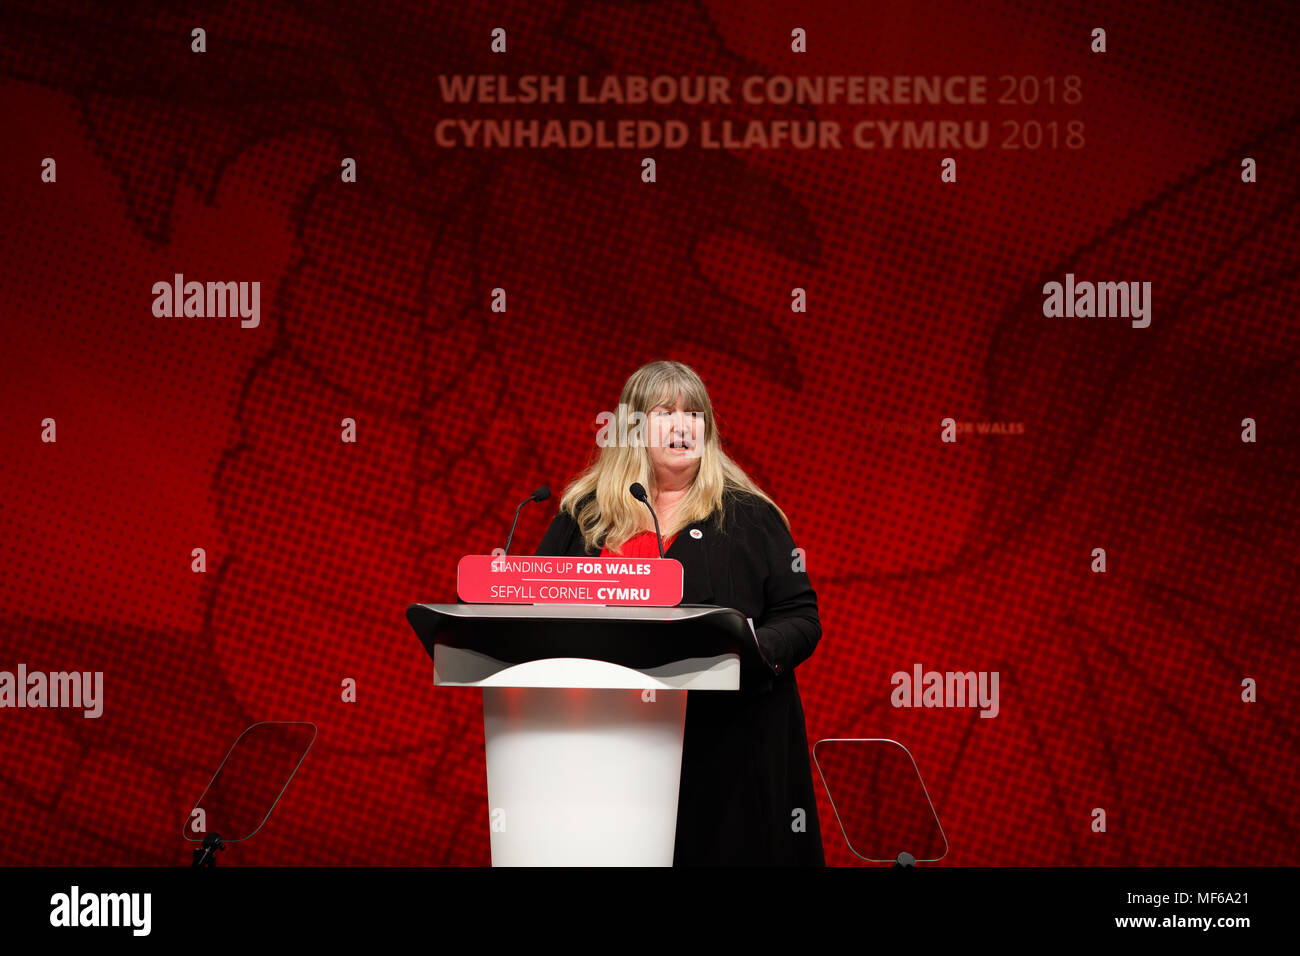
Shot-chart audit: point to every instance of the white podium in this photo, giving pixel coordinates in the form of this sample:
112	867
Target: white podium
583	712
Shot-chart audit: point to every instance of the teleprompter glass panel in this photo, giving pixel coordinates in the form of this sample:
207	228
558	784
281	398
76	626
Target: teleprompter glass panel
250	780
879	799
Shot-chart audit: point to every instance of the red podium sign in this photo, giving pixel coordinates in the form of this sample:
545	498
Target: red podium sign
492	579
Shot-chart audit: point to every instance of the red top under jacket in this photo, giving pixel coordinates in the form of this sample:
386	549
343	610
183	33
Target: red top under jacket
642	545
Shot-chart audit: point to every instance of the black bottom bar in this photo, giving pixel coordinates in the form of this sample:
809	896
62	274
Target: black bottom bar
230	905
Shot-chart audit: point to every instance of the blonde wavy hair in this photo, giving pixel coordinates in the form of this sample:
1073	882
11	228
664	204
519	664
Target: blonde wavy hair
612	516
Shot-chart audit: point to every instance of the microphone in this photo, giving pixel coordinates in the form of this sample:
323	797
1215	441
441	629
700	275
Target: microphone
541	494
638	492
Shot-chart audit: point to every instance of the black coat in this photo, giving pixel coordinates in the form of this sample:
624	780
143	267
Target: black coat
745	766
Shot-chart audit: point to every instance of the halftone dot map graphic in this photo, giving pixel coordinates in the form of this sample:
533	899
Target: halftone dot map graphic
1120	691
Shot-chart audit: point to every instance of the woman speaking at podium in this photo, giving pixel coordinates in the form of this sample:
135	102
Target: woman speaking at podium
745	769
